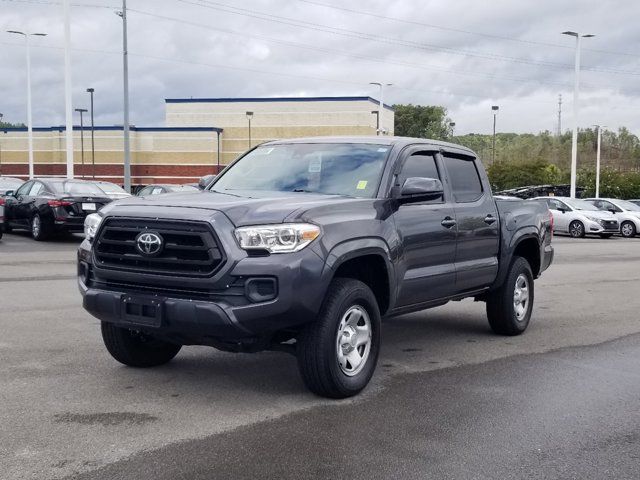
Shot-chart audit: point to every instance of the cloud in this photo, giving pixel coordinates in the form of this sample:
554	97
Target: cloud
201	48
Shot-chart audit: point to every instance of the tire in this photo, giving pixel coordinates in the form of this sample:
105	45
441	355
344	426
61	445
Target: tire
606	235
39	230
136	349
7	227
628	230
576	229
324	353
504	318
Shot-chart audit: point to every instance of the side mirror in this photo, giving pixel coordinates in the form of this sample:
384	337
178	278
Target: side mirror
420	188
613	211
9	193
205	181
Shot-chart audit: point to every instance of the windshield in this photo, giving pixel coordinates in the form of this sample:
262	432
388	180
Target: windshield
580	204
628	205
77	188
111	188
332	169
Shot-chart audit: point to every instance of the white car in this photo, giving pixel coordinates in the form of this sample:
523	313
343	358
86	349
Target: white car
578	218
627	213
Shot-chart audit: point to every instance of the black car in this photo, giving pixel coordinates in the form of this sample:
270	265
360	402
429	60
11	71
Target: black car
157	189
48	206
8	184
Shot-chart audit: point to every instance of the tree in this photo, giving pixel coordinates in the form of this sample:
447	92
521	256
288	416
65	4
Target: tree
422	121
12	125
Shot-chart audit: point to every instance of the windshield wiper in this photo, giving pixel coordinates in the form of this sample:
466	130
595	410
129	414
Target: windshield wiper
301	190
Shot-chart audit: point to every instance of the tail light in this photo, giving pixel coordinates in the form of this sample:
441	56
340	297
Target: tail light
1	201
59	203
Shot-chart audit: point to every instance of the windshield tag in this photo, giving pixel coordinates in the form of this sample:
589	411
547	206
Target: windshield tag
315	165
380	150
362	185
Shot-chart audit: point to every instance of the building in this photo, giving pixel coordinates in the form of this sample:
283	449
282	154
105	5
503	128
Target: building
201	135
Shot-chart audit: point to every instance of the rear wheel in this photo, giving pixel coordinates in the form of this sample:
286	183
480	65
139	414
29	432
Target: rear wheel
576	229
39	231
338	352
628	229
137	349
509	307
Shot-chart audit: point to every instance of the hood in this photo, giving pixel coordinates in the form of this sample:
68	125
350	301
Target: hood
601	214
242	208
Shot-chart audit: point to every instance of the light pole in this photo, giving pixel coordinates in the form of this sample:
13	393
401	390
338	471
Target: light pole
381	107
81	111
495	109
599	127
93	148
29	120
68	97
125	81
249	117
452	125
576	88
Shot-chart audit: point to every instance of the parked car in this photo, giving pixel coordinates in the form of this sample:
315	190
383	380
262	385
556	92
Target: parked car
8	184
47	206
578	218
113	191
311	240
165	188
627	214
635	201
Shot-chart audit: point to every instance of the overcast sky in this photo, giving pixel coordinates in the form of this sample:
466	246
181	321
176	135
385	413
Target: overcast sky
465	55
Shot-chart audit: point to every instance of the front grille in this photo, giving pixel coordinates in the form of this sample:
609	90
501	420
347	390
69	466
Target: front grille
189	248
610	224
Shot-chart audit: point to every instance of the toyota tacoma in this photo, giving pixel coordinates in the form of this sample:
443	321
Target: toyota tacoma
304	245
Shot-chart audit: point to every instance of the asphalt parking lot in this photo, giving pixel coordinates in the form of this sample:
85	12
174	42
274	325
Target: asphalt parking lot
449	399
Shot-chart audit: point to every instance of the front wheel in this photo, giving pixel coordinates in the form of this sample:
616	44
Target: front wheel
576	229
628	229
137	349
509	307
338	352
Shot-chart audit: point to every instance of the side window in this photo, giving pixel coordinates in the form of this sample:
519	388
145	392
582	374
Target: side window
608	206
36	189
144	191
157	191
24	189
465	180
554	204
419	165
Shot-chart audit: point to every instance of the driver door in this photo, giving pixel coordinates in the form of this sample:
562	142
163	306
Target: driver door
16	206
559	212
427	233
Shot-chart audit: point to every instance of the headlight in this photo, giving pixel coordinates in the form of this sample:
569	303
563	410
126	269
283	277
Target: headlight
91	224
281	238
594	219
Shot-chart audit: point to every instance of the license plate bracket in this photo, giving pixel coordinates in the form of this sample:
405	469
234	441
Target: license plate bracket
89	207
140	310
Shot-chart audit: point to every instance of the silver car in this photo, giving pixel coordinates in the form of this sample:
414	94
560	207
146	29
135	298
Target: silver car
578	218
627	213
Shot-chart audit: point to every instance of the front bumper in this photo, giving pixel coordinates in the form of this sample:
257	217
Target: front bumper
229	313
597	227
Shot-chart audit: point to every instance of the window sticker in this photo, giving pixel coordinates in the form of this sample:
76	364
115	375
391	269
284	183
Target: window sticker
315	165
380	150
362	184
263	151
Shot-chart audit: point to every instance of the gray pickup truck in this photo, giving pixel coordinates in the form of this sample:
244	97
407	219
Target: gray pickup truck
304	245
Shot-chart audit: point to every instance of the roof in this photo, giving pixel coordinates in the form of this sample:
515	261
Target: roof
275	99
133	128
376	140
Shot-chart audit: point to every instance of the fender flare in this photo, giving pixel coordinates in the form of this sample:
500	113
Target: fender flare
506	255
359	247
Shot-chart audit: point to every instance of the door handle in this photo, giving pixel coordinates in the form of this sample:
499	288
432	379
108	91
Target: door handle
490	219
448	222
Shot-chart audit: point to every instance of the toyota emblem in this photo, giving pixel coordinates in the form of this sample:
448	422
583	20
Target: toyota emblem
149	243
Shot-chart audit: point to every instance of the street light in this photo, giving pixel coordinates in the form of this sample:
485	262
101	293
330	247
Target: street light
29	121
576	88
81	111
93	149
125	80
495	109
380	129
249	117
452	125
599	127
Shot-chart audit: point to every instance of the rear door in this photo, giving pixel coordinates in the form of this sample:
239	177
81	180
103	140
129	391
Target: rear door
427	235
478	242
